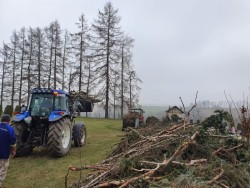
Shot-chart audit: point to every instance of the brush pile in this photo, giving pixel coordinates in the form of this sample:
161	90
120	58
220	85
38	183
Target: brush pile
172	155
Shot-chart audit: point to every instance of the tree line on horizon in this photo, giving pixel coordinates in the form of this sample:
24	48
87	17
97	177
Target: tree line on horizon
96	59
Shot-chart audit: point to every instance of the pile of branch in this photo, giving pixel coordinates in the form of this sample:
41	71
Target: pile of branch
83	96
171	156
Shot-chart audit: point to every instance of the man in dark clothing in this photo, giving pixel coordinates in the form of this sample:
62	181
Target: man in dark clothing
7	145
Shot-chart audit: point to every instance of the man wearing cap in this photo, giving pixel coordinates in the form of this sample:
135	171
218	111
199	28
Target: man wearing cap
7	145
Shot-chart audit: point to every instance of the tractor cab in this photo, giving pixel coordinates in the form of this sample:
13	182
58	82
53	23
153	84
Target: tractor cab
45	101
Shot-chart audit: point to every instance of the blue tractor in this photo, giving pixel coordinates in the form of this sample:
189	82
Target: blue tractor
49	121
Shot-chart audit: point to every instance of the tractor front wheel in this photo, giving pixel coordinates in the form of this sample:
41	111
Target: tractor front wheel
79	134
59	137
22	134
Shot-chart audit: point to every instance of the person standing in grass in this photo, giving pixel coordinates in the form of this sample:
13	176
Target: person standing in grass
7	145
136	121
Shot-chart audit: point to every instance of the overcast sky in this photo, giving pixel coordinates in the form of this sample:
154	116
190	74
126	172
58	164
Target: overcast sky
181	46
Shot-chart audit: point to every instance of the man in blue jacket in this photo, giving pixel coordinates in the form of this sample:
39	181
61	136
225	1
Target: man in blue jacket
7	145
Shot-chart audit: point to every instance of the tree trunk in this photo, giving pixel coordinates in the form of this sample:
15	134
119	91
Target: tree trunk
88	82
122	86
3	76
107	76
13	72
29	65
80	74
39	61
64	54
21	74
50	60
55	68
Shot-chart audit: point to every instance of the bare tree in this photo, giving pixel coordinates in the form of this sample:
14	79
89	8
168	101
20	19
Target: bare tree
23	52
108	37
80	42
39	47
13	46
134	88
65	57
5	70
57	53
30	75
38	57
50	41
115	83
126	55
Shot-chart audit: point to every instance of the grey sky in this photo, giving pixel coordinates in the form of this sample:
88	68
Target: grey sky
181	46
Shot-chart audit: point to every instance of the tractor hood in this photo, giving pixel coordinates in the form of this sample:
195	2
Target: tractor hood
56	115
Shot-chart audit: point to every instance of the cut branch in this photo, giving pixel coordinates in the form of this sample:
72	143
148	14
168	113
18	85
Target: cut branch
216	177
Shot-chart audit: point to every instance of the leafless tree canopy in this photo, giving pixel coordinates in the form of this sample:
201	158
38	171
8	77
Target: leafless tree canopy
96	59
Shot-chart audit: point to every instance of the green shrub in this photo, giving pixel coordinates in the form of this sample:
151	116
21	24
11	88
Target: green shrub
8	110
152	120
17	109
166	119
216	121
175	118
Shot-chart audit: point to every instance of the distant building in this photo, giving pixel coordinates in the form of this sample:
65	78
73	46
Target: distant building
175	111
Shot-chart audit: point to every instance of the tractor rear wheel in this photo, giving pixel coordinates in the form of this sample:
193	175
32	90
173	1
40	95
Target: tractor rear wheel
22	134
59	137
79	134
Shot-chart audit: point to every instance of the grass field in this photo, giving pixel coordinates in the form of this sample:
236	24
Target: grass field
41	170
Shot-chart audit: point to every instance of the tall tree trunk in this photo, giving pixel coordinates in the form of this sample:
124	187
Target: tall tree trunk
55	68
39	62
2	85
130	90
29	65
13	74
21	74
122	83
88	82
64	54
50	60
107	76
3	76
80	74
114	98
70	80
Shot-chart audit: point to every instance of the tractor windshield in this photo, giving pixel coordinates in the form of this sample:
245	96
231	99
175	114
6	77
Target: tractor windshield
41	104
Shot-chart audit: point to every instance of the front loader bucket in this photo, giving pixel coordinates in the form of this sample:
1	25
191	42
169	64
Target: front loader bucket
86	106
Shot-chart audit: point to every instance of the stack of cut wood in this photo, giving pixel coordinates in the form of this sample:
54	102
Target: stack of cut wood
172	156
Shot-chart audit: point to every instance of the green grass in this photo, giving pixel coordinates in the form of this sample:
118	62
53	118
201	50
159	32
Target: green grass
41	170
